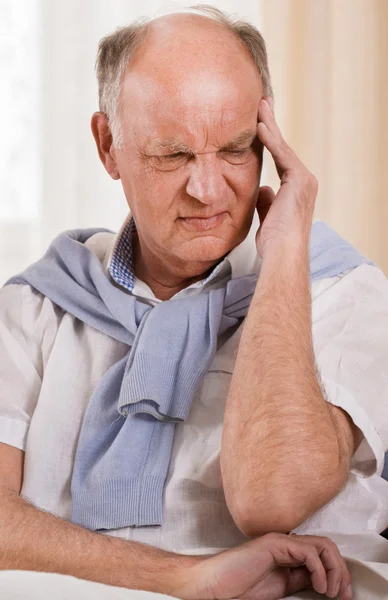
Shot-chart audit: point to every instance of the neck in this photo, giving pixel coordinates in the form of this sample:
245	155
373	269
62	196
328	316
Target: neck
164	279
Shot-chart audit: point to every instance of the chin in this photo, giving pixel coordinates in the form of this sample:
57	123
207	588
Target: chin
205	249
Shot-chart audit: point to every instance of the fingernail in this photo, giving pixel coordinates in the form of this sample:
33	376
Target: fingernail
349	592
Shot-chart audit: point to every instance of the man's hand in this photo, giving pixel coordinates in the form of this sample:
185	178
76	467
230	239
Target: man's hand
270	567
289	214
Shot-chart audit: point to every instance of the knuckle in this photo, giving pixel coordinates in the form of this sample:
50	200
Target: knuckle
313	183
327	541
330	546
308	184
310	180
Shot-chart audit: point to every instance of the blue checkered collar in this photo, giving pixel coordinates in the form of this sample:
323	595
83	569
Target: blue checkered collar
239	262
120	265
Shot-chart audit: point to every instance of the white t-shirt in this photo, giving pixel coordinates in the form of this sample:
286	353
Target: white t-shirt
50	363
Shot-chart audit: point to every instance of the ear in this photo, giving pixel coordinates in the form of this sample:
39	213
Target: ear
104	142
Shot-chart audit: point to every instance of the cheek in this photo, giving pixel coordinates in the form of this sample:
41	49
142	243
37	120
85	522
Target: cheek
158	197
149	191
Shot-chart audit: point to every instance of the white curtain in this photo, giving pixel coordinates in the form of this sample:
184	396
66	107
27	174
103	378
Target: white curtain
51	178
329	63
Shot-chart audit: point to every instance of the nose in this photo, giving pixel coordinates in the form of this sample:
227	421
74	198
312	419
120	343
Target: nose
206	182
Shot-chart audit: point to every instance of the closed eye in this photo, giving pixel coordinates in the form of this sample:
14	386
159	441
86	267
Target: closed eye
237	156
237	152
170	162
175	155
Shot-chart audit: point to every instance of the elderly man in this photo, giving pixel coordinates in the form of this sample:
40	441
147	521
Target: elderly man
194	381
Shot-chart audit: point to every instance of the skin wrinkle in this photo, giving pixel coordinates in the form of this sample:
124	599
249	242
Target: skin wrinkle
177	146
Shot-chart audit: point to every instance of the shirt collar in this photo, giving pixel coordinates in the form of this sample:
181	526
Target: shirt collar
120	262
242	260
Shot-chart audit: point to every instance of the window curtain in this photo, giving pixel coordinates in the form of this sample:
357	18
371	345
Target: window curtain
329	63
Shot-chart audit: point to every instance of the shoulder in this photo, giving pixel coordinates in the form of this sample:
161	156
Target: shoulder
28	316
21	303
350	311
23	306
363	284
349	330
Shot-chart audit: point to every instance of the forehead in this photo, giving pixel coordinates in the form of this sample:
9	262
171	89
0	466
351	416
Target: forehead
189	76
202	104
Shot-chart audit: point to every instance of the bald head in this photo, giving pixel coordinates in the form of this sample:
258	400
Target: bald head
211	35
190	73
197	39
193	56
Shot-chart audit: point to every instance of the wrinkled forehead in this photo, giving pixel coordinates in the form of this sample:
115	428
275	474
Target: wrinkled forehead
197	103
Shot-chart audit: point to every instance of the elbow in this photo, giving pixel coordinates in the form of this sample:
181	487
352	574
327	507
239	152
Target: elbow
280	502
258	518
281	511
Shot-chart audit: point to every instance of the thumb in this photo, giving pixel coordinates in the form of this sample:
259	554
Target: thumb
265	198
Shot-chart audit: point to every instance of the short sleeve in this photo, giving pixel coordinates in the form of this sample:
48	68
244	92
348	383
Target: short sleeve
28	326
350	337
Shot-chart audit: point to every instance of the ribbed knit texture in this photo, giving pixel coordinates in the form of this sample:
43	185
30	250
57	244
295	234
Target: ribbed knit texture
126	438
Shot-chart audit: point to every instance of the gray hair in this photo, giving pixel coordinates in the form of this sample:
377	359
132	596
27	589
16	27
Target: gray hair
116	50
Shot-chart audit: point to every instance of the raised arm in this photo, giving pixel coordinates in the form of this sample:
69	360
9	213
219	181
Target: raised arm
285	451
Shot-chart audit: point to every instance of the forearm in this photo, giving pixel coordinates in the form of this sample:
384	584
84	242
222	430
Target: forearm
280	454
31	539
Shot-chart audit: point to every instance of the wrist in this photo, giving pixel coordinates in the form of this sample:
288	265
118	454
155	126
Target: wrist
290	246
190	581
287	259
183	578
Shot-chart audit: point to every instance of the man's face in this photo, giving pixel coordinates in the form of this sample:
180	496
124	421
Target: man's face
190	150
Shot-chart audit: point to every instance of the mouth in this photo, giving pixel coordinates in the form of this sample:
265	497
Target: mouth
203	224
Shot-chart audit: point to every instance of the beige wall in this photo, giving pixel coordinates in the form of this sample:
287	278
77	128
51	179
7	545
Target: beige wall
329	64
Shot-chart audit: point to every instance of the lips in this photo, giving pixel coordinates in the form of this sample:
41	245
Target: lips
203	223
202	217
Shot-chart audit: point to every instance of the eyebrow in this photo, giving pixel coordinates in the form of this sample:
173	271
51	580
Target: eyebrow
241	140
171	145
174	146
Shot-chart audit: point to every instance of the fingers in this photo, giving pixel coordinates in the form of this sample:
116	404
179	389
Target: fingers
287	551
338	576
311	559
270	101
267	117
270	135
328	570
264	201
